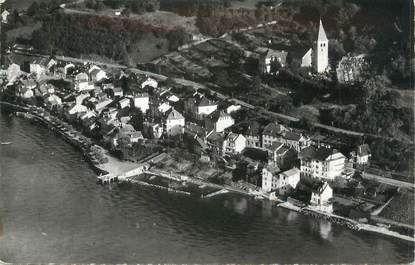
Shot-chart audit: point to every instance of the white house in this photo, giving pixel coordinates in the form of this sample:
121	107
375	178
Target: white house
81	77
102	104
233	108
269	56
124	103
321	197
307	58
97	75
287	181
38	67
362	154
13	72
164	107
79	99
273	132
76	108
234	143
67	67
219	121
321	162
199	106
54	100
149	82
84	86
142	102
174	123
269	180
297	141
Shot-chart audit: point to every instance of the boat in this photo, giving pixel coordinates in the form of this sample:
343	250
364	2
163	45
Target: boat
5	143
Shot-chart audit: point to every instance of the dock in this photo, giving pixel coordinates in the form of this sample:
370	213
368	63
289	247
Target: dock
222	191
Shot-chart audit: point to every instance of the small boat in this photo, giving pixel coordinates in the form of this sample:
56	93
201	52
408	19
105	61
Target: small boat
5	143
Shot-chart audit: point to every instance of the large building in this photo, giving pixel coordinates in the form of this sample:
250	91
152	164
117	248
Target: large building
321	48
321	162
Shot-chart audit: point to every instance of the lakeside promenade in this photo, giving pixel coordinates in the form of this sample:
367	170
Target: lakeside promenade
124	170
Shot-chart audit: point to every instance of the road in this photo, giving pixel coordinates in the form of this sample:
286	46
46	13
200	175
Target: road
389	181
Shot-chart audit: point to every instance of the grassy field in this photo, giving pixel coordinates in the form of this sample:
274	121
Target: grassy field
401	208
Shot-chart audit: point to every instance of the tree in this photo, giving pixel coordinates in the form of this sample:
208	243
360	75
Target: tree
137	120
33	9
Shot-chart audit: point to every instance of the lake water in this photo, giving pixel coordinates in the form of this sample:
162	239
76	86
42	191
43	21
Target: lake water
52	210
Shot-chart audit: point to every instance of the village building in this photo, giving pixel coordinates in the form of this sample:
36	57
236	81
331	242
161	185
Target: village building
362	154
233	108
199	106
234	143
351	68
142	102
268	57
219	121
97	75
149	82
124	103
53	100
273	132
282	155
215	141
174	123
252	135
321	162
321	197
153	129
269	180
297	141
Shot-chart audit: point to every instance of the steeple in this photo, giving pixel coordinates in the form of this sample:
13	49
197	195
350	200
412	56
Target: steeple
321	33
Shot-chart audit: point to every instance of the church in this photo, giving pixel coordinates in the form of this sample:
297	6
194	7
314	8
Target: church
317	57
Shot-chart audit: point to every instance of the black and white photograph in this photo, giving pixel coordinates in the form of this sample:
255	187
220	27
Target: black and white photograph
207	132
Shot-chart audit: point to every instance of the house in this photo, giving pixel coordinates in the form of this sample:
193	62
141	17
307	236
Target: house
13	72
54	100
321	162
287	181
307	58
273	132
193	136
174	123
321	197
362	154
149	82
125	133
233	108
173	98
84	86
40	66
281	155
215	141
79	99
101	104
76	108
68	67
97	74
164	107
81	77
269	180
26	88
267	57
199	106
153	129
142	102
351	68
252	135
115	91
136	136
297	141
219	121
234	143
124	103
4	16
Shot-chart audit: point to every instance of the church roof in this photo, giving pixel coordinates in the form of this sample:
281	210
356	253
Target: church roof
321	33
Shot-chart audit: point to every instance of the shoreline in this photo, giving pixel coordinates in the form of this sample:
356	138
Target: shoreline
76	142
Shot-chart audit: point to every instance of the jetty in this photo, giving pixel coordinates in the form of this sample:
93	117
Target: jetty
222	191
